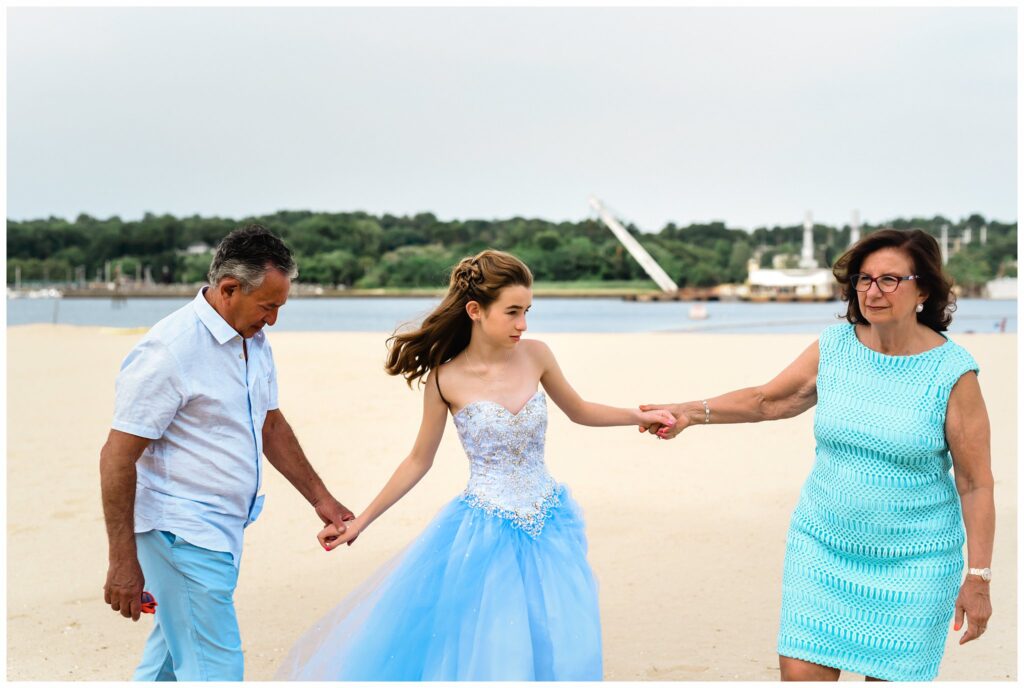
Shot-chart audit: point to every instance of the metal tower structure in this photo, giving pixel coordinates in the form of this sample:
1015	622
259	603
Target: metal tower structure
807	260
650	266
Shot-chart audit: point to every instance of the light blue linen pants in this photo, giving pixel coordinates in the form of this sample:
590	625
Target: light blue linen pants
195	636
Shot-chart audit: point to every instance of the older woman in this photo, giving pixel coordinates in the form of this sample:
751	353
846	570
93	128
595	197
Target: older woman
874	556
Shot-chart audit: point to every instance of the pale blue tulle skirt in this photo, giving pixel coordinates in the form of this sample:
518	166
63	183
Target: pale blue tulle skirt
474	597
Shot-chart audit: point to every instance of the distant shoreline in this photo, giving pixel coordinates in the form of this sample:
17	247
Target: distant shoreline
566	290
131	289
355	293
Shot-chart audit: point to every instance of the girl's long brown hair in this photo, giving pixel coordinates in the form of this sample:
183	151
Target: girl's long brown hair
445	332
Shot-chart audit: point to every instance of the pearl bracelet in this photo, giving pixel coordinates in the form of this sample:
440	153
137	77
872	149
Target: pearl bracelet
707	411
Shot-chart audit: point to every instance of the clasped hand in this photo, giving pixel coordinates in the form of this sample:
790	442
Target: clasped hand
664	421
338	520
332	536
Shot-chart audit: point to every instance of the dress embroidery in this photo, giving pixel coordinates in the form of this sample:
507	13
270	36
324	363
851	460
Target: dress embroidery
507	474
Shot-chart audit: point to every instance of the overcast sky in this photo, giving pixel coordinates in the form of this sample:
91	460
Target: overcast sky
748	115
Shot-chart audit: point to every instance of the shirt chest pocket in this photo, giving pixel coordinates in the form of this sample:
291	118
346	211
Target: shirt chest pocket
260	396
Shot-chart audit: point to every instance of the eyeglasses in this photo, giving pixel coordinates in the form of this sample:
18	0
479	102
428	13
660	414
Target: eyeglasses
886	283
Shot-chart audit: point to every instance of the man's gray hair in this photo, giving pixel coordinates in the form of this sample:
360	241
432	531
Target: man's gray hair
247	253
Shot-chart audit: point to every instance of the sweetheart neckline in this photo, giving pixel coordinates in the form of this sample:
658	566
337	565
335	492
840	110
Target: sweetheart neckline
503	408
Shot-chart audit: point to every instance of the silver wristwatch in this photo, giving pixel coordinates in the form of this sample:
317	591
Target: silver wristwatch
985	573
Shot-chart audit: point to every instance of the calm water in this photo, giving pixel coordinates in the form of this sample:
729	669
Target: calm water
547	315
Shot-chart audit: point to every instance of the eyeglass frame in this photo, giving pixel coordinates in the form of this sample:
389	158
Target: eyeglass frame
874	280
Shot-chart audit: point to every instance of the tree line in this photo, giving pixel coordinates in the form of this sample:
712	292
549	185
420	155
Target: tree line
367	251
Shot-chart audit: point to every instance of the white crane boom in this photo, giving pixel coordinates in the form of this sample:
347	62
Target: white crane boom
650	266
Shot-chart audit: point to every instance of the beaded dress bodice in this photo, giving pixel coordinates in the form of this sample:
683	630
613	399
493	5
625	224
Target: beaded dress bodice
507	474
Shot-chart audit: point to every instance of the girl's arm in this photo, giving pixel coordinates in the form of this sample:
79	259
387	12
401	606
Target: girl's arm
789	394
408	473
578	409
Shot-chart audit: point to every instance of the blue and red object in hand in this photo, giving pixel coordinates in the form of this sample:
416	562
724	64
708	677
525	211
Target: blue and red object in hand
148	603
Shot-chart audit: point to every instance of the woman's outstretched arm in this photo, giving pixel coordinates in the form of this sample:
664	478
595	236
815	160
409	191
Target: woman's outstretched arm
789	394
408	473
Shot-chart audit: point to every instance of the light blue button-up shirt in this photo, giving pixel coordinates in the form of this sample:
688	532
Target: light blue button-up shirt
188	387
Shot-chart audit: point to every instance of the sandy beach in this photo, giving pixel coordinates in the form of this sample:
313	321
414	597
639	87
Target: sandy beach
686	537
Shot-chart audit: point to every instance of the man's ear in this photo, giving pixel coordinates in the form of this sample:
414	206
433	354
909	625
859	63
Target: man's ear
228	287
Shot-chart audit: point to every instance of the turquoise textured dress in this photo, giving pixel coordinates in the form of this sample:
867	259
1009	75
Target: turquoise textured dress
874	555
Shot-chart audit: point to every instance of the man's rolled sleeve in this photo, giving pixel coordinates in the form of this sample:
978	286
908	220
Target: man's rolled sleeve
149	391
272	405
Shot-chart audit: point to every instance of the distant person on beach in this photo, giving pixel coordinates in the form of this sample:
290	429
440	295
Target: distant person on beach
497	587
874	568
195	407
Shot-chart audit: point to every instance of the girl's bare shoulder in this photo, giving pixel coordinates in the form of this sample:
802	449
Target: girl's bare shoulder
537	352
534	346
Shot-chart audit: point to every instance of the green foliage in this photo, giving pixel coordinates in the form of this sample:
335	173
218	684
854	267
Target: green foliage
195	267
548	241
336	268
739	254
411	266
34	270
362	250
969	269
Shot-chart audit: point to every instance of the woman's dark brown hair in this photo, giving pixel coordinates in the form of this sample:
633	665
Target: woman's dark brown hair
445	332
924	253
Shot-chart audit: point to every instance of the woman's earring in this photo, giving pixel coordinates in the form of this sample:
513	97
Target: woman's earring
920	307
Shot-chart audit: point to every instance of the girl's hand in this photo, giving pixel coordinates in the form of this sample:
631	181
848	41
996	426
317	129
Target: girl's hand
330	537
659	428
656	420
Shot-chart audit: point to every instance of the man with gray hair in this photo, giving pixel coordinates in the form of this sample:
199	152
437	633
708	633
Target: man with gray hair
195	407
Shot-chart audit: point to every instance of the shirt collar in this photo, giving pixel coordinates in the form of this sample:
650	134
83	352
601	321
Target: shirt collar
217	326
